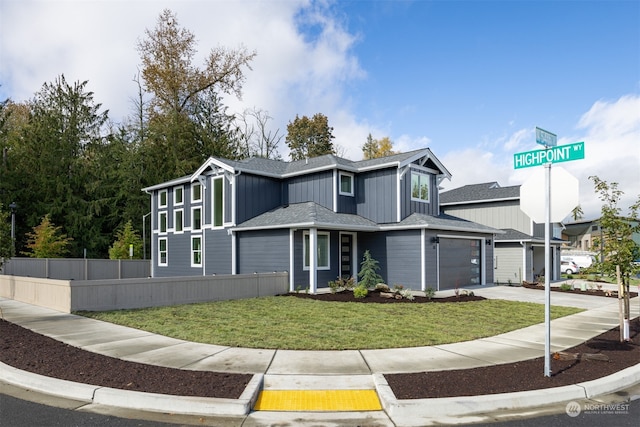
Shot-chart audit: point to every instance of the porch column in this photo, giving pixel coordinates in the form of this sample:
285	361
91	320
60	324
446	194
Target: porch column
292	234
313	260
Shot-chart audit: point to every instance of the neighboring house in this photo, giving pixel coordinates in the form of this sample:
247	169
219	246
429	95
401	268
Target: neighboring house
585	236
519	252
315	218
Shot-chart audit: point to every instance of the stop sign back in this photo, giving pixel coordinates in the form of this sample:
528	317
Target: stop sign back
564	196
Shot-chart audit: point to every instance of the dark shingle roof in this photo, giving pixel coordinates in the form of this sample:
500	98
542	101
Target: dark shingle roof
479	193
307	214
443	222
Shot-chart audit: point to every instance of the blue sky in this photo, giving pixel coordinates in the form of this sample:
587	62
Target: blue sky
468	79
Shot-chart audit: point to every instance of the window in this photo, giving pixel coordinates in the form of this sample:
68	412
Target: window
162	222
419	186
196	192
178	196
162	199
218	207
196	219
196	251
163	252
346	184
323	251
178	220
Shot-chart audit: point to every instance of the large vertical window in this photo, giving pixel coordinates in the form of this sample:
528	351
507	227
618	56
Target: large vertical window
162	222
178	196
218	206
178	220
322	250
419	186
196	218
196	252
163	252
196	192
162	199
346	184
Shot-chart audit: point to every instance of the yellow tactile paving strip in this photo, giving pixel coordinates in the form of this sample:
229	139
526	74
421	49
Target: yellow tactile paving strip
318	400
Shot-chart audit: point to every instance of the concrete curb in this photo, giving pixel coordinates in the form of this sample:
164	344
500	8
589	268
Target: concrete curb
134	399
418	412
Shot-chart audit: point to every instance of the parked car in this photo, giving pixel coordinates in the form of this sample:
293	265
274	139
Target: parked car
569	267
583	261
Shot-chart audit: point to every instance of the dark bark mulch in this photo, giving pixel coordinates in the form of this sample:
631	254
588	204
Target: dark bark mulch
30	351
376	296
593	292
526	375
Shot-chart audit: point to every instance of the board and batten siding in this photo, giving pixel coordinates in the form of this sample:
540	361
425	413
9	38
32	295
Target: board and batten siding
255	195
494	214
377	195
508	263
409	206
262	251
316	188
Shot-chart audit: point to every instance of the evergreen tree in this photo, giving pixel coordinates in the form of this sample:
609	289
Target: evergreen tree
368	275
47	241
125	238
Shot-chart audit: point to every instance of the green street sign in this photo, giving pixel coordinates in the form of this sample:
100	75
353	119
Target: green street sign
557	154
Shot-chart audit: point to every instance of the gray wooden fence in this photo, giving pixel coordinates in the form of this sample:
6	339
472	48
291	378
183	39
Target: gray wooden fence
77	268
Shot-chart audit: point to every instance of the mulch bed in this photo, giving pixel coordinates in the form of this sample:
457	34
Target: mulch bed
33	352
377	297
592	292
526	375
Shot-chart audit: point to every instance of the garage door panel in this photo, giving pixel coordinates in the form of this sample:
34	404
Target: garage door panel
460	262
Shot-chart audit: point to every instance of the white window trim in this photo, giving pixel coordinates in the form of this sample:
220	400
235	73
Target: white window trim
350	176
305	235
175	202
193	251
213	201
160	263
166	222
421	174
175	221
194	185
166	198
193	209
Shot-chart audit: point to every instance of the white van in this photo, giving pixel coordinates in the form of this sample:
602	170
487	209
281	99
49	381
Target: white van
582	261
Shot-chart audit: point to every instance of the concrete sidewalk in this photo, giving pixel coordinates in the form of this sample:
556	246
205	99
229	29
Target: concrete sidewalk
286	370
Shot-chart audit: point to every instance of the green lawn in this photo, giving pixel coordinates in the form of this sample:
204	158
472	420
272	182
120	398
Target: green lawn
288	322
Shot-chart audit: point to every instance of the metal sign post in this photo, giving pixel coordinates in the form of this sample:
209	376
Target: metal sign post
547	156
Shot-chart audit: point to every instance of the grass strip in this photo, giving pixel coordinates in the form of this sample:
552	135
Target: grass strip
291	323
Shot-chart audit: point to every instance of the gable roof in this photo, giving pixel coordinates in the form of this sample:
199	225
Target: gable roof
283	169
480	193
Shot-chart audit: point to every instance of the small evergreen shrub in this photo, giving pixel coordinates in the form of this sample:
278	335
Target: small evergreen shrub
360	292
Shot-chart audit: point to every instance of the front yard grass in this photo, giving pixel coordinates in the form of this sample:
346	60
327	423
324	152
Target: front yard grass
302	324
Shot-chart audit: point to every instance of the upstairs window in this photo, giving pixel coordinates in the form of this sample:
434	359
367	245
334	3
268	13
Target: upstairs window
178	195
178	220
196	219
162	222
419	186
218	206
162	199
196	192
346	184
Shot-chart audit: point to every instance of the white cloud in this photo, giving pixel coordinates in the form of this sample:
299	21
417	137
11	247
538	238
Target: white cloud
611	132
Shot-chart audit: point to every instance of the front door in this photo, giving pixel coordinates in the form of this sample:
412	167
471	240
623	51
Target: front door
346	255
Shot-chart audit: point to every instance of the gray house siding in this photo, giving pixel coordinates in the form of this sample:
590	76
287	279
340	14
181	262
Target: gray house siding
263	251
178	256
503	214
218	252
409	206
311	188
377	195
347	204
255	195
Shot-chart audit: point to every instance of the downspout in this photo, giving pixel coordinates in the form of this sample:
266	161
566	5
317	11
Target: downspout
423	266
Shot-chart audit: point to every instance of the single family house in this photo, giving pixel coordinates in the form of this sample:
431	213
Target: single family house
315	218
